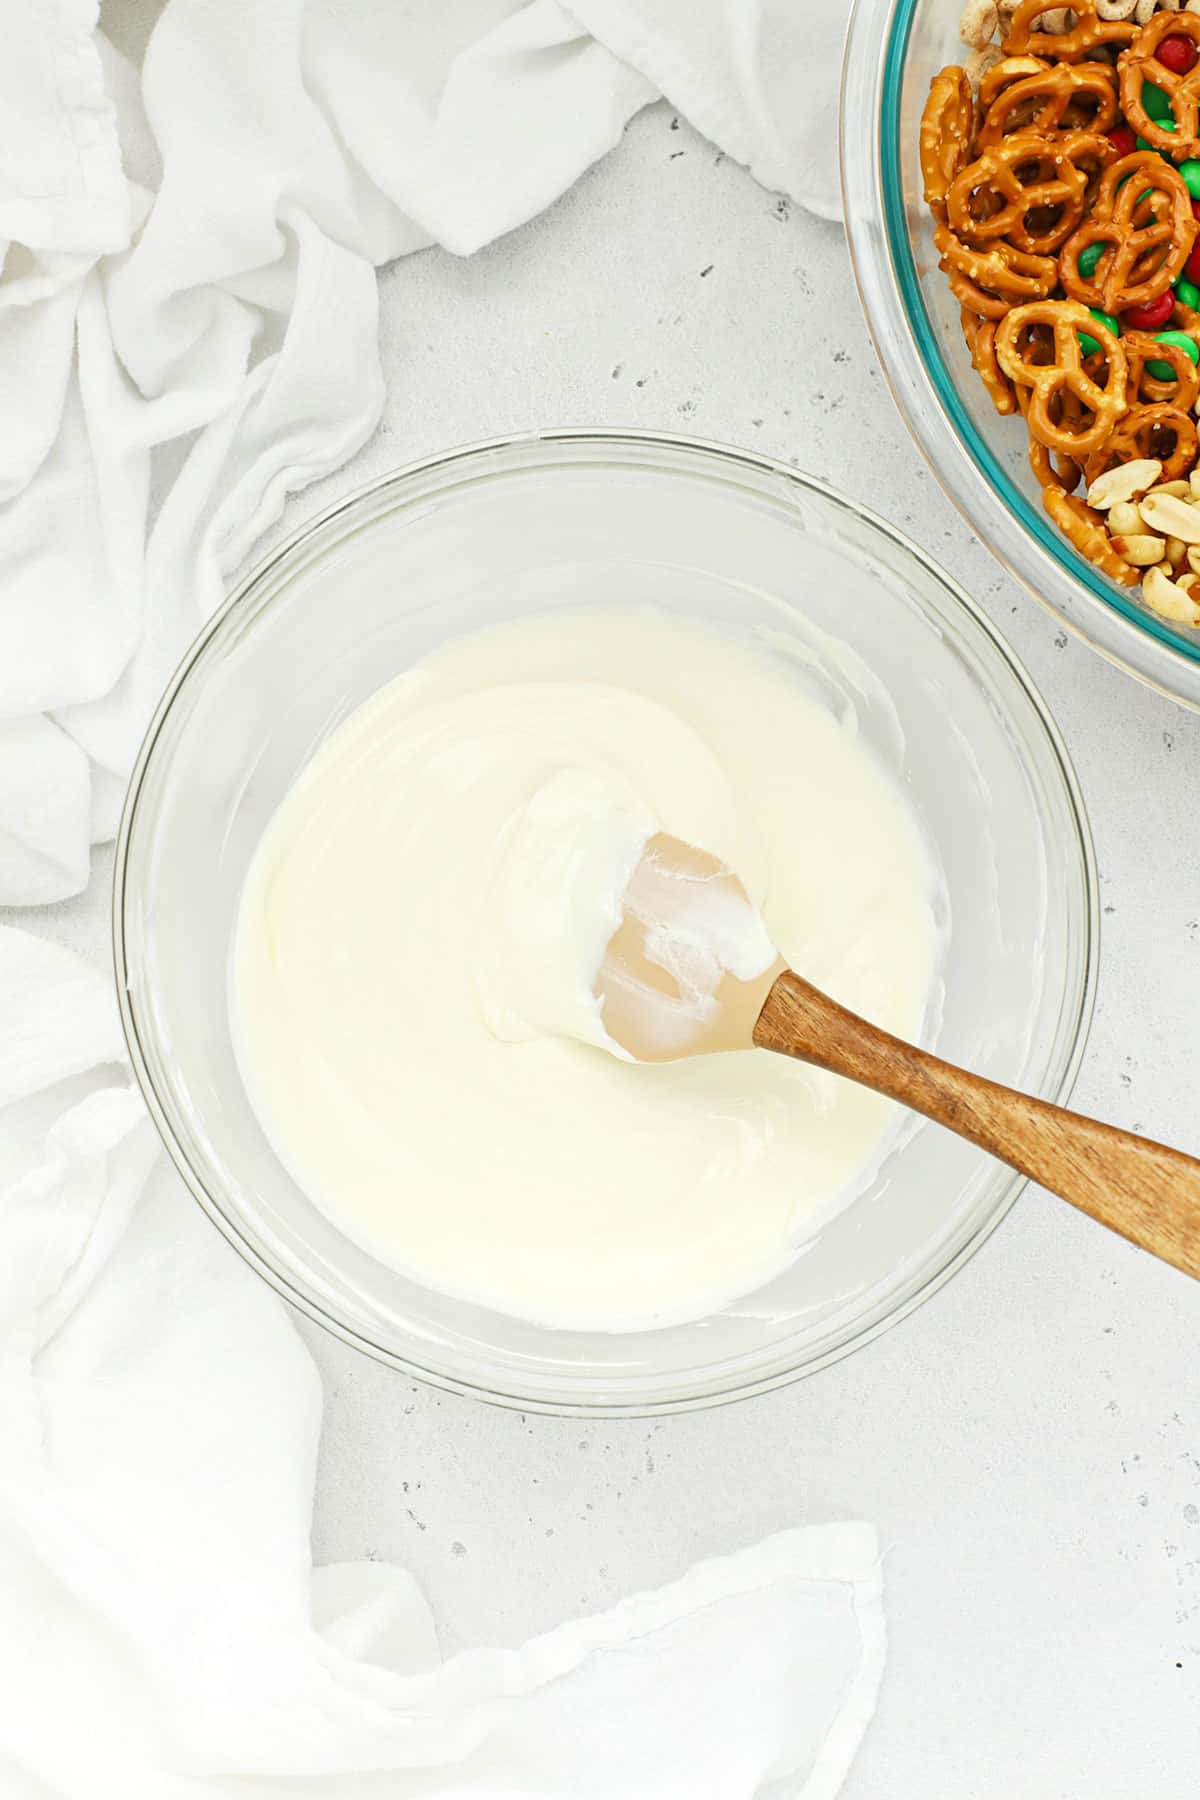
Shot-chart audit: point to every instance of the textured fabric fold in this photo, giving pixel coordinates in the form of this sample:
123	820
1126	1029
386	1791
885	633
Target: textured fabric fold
188	333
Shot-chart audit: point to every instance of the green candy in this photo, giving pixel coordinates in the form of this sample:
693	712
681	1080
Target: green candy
1190	170
1089	257
1187	293
1088	344
1162	371
1157	105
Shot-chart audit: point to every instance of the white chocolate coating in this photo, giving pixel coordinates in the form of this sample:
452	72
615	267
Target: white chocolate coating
424	916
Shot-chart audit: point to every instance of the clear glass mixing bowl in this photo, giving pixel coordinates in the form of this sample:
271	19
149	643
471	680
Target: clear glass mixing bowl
893	49
577	519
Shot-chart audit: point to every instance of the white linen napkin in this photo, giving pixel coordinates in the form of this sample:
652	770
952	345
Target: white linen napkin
190	272
188	310
163	1632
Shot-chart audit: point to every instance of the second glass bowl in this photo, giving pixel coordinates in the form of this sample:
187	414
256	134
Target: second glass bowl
893	49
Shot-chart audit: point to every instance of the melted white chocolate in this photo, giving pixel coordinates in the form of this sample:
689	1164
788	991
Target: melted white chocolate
420	930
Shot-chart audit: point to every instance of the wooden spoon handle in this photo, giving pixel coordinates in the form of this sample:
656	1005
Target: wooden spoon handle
1148	1193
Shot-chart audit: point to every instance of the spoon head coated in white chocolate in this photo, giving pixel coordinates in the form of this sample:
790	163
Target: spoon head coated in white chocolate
690	965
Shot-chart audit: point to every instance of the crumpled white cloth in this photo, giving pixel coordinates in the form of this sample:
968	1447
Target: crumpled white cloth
188	301
187	334
163	1635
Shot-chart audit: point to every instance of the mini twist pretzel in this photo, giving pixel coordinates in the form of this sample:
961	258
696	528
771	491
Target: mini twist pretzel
947	126
981	342
1185	319
1087	34
1027	188
1052	383
1085	528
1146	244
1053	468
1083	95
1140	63
1181	388
1163	431
991	281
1001	75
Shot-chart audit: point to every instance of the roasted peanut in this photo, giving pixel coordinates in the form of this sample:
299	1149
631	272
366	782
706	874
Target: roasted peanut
1123	482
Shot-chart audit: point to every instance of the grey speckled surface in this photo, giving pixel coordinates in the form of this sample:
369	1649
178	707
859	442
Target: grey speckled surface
1029	1442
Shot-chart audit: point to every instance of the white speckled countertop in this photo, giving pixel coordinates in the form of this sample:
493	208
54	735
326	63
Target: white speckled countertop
1028	1442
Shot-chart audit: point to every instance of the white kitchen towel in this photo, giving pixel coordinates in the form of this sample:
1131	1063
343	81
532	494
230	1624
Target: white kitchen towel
188	299
163	1634
187	334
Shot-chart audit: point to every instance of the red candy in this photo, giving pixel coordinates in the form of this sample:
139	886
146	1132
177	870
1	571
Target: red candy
1152	315
1123	138
1196	209
1191	267
1177	53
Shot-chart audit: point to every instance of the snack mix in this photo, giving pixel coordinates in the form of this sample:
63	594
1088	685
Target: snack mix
1062	168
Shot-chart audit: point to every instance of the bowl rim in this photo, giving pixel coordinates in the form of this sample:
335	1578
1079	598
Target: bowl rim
881	255
1073	1034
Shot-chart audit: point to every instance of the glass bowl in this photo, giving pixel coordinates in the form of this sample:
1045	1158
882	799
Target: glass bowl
893	49
577	519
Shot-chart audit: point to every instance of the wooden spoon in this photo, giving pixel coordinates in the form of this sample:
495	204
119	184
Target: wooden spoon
660	1004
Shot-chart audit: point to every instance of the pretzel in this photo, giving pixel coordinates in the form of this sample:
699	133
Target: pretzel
1053	99
990	281
1140	63
1146	244
981	343
947	126
1142	433
1054	468
1027	188
1088	32
1185	319
1085	528
1002	75
1181	388
1040	184
1052	382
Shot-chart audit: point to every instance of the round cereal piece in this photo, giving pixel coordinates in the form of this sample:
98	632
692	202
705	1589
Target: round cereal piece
977	27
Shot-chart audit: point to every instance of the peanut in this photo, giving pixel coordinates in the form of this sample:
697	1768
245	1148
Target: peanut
1123	482
1178	489
1172	516
1125	516
1141	549
1168	599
